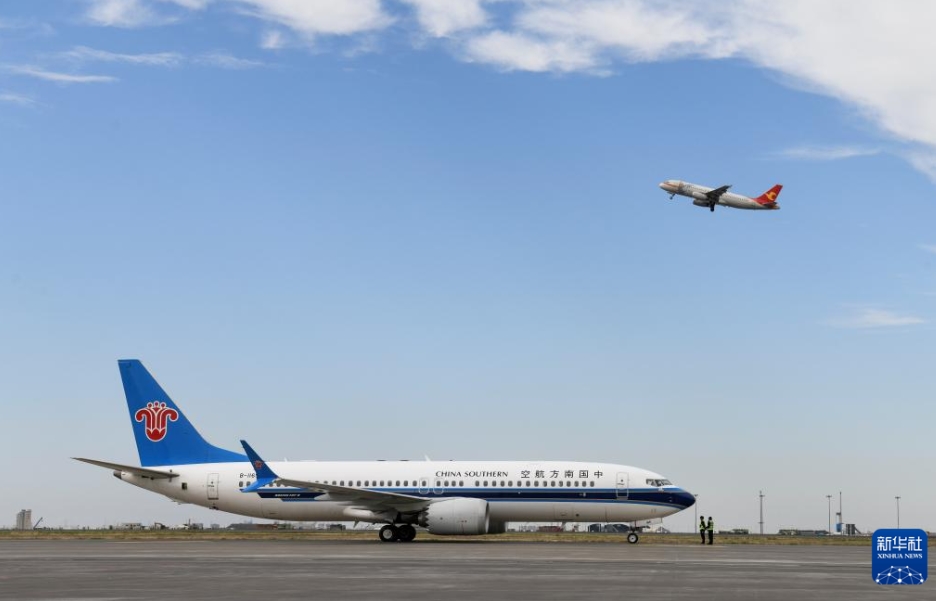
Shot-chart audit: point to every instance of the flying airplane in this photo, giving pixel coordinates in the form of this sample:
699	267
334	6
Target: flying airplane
449	497
710	197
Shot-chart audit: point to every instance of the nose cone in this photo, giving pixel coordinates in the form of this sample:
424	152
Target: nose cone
684	498
664	185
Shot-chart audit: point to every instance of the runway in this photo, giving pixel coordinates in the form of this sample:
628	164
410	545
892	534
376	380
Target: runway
225	569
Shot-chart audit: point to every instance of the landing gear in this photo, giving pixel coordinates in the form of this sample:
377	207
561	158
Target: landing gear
407	533
632	538
389	534
671	196
711	208
393	534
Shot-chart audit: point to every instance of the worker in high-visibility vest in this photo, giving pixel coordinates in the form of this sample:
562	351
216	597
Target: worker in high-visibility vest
702	528
711	529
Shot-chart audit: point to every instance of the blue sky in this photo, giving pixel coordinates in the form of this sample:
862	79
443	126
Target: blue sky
316	224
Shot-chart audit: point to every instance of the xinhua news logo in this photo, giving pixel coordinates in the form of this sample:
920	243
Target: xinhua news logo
898	556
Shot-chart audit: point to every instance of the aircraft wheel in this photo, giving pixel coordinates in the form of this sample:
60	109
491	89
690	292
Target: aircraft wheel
632	538
389	534
407	533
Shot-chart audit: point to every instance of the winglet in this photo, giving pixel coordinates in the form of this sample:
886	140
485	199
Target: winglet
265	476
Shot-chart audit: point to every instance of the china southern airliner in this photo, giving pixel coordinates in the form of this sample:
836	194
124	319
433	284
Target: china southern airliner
450	497
703	196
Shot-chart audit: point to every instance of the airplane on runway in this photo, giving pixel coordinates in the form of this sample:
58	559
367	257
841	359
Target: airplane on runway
710	197
450	497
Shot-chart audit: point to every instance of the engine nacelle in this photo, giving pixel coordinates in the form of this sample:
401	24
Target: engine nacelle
456	516
700	203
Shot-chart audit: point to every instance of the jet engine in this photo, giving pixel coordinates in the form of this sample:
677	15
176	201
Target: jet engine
456	516
700	203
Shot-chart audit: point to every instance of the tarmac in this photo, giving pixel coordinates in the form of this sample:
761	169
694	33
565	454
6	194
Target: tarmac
239	569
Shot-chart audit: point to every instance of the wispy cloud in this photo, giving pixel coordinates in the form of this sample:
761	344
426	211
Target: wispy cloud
57	77
160	59
867	318
19	99
272	40
128	14
826	153
441	18
226	61
930	248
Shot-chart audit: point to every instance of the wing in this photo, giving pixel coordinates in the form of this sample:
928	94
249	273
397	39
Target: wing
362	497
137	471
715	194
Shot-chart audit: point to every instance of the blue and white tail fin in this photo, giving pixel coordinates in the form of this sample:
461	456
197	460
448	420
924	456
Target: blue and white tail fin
163	435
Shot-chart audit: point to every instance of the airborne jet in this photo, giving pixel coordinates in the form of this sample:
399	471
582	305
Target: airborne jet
703	196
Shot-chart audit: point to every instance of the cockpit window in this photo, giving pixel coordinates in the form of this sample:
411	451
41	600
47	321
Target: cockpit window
658	482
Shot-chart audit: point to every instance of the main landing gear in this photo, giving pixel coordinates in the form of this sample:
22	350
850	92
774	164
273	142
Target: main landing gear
632	538
403	533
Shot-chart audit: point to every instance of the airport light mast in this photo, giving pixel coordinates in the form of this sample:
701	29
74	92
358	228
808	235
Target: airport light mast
760	493
898	511
829	497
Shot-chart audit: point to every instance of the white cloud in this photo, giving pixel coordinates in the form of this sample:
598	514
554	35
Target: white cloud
873	56
273	40
314	17
441	18
875	318
518	52
59	77
124	13
226	61
159	59
19	99
930	248
826	153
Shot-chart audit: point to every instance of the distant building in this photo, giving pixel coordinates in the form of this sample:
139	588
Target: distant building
24	519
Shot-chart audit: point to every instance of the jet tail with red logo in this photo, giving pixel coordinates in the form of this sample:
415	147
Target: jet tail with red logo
769	198
163	434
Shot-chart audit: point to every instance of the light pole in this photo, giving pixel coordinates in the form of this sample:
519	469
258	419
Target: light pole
695	512
898	512
829	497
760	493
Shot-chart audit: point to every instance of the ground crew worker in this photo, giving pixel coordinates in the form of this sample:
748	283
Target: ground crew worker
711	529
702	528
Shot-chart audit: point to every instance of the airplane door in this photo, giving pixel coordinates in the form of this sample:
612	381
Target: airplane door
212	487
623	485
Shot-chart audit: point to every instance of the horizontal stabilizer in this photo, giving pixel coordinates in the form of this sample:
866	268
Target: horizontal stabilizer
130	469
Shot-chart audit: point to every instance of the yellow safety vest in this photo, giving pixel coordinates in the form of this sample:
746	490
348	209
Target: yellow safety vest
711	526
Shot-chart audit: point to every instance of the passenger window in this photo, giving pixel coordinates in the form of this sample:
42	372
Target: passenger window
592	484
528	483
381	482
510	483
406	483
446	482
477	483
485	482
240	485
367	483
502	483
536	483
461	482
358	482
185	486
342	482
